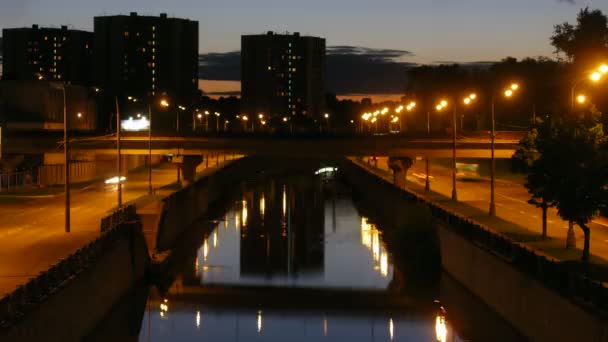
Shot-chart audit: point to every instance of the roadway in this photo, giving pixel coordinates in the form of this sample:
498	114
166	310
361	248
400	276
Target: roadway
511	204
32	235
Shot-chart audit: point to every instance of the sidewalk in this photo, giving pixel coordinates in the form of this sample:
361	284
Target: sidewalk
32	236
515	217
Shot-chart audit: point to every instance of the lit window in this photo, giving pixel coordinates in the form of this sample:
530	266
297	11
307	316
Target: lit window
153	28
153	71
126	33
269	68
46	38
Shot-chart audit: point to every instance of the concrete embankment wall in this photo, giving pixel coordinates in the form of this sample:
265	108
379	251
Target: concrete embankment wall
183	208
66	302
539	313
535	294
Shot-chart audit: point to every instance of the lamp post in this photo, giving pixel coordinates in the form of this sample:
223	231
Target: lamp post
66	151
217	122
119	161
443	104
594	77
207	121
427	182
507	93
149	148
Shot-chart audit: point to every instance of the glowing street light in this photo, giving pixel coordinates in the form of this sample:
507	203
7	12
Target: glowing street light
508	93
581	99
444	103
164	103
603	68
596	76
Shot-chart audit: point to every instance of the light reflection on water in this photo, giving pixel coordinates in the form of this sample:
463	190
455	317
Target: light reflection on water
219	258
189	323
297	236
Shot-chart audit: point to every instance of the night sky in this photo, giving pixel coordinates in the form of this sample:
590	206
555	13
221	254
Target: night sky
433	30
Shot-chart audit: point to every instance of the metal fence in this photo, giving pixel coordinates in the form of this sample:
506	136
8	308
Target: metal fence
13	180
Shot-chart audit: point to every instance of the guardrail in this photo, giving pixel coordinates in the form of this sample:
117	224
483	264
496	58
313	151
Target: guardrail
16	179
27	297
549	271
124	214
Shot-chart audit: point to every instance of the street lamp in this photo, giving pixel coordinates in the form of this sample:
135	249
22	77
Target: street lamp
442	105
217	122
66	155
581	99
594	77
326	116
508	93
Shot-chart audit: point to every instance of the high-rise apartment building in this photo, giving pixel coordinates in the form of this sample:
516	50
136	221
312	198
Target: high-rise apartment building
146	57
283	75
51	54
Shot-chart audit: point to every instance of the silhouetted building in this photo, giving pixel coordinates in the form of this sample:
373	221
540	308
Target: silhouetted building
146	57
283	75
38	105
52	54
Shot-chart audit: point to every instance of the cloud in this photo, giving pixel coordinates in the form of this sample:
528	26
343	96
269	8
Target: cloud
571	2
468	65
381	55
220	66
350	69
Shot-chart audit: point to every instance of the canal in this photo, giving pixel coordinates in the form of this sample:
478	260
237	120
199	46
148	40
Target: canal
297	254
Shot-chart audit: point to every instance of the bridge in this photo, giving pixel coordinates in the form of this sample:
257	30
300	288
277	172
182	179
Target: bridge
470	146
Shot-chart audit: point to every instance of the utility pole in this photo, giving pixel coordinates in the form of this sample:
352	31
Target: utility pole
118	164
66	151
454	194
150	149
427	183
493	163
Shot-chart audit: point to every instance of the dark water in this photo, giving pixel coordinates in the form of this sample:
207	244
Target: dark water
296	258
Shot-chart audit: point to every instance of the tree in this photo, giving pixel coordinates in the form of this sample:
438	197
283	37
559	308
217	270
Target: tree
586	41
538	180
571	170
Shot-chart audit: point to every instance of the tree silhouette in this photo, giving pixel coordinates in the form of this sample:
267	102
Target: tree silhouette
571	170
539	180
586	41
